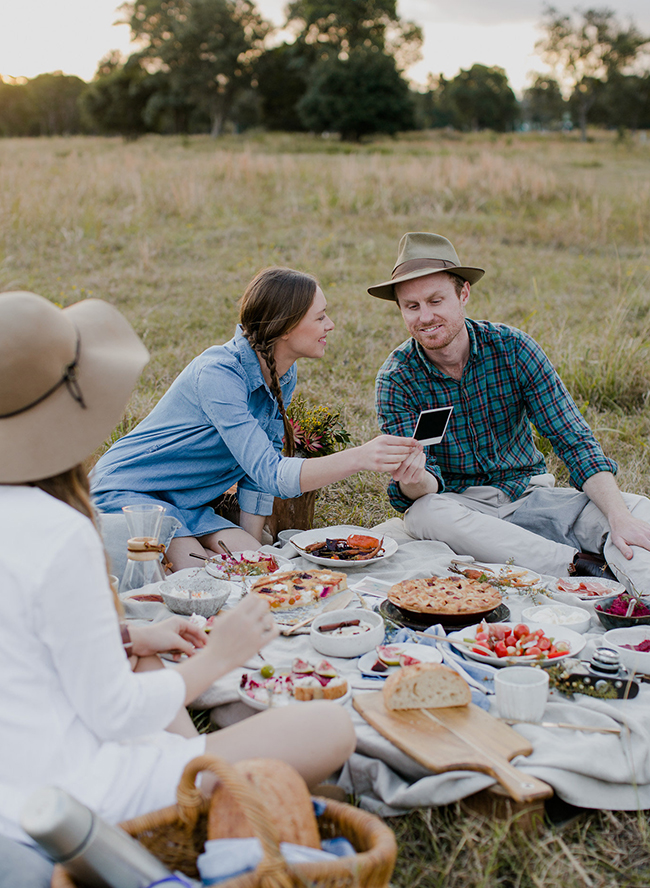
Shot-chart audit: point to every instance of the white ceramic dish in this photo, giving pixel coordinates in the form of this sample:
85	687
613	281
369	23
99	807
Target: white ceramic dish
425	653
213	595
341	531
639	661
347	645
558	633
283	699
504	575
550	616
215	569
610	587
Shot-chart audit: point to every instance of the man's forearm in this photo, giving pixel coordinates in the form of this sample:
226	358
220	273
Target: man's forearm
413	491
603	490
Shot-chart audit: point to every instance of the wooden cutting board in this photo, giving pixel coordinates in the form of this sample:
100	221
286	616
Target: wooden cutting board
459	738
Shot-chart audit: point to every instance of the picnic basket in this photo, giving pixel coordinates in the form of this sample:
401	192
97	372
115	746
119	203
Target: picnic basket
176	836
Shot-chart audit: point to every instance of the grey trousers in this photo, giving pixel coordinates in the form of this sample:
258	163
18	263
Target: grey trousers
542	530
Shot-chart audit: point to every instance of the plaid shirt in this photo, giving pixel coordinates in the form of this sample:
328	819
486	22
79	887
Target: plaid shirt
508	384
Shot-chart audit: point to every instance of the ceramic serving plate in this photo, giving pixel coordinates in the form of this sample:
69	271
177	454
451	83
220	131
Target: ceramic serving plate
425	653
341	531
274	700
556	633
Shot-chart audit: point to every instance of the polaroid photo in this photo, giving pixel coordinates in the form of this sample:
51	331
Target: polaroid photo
432	425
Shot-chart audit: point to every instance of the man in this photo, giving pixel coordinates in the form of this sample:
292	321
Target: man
484	490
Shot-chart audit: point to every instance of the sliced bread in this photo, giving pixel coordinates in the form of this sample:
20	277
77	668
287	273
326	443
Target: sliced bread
425	686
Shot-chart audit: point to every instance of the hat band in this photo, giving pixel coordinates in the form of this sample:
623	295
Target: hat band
418	264
68	379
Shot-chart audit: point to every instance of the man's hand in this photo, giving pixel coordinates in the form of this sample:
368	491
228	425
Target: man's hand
628	531
625	530
412	476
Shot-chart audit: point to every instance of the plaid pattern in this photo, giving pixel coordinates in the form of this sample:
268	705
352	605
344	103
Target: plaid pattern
508	384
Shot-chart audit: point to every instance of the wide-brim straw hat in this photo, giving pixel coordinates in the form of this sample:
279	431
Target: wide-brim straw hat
65	379
420	254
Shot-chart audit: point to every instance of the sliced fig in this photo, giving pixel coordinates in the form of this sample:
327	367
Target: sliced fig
389	654
301	667
326	670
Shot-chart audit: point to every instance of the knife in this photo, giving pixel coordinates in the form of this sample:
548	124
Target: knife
341	601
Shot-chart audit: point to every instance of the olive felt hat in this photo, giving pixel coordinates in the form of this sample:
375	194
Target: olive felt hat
420	254
65	378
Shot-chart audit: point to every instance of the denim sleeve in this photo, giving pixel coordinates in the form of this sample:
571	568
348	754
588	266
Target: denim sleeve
556	415
222	393
394	405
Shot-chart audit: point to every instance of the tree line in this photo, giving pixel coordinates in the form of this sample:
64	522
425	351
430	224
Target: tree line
206	65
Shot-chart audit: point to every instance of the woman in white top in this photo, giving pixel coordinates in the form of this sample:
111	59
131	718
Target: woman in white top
72	713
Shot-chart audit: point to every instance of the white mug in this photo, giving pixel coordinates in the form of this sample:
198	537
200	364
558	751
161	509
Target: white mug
521	692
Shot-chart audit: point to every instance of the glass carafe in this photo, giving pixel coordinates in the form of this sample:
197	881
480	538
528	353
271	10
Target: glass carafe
144	552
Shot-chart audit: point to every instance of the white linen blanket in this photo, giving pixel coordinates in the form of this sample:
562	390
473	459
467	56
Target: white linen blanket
589	770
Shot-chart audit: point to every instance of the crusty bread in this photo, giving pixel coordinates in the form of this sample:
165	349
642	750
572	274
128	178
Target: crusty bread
425	686
283	792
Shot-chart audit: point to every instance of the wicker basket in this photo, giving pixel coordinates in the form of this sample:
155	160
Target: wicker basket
176	835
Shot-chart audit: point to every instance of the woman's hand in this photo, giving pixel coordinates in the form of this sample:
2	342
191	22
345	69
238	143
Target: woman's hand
386	453
240	633
174	635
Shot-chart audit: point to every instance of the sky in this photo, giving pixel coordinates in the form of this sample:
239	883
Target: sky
38	36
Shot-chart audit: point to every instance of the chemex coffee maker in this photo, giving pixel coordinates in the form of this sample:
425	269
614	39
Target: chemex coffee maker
603	673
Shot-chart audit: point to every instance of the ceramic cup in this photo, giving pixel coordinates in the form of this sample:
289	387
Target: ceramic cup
285	535
521	692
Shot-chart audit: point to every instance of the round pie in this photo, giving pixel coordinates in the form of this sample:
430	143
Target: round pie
444	595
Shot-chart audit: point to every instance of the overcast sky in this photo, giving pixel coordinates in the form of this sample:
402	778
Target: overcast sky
37	36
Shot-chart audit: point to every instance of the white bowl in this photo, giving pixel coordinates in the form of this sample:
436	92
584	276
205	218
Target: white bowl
214	594
576	618
347	645
636	660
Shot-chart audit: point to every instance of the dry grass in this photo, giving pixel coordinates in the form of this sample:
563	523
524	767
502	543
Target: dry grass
171	230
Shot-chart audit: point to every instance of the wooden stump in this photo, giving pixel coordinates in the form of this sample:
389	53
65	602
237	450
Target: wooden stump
289	513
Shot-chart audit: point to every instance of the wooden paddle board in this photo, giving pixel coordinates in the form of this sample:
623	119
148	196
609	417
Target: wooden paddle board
459	738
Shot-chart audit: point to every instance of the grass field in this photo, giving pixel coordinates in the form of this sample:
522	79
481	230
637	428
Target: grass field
171	229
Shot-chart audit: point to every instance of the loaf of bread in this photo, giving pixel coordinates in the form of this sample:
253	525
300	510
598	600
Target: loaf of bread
285	796
425	686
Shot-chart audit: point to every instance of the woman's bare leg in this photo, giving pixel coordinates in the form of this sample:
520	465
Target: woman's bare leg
182	723
316	738
236	538
180	548
178	552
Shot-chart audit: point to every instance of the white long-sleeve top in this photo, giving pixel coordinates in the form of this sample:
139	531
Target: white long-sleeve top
66	688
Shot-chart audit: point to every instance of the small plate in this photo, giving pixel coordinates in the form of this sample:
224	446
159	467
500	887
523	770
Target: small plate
505	576
558	633
610	587
284	699
300	540
423	652
214	569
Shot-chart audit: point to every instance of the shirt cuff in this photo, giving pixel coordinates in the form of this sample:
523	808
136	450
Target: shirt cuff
289	476
254	502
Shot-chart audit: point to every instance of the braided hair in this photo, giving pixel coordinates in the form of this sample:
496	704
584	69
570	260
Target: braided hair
275	301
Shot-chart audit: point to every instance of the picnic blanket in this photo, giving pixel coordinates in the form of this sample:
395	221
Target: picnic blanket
589	770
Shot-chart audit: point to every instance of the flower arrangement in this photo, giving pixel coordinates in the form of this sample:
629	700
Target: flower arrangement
317	431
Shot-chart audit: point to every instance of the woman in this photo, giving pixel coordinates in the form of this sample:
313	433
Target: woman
222	422
72	713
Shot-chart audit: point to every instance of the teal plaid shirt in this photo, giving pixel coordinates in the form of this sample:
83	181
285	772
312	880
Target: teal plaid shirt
508	384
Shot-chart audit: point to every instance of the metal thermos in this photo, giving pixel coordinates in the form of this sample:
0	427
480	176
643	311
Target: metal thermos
99	855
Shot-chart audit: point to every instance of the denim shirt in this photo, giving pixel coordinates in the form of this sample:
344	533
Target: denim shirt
216	425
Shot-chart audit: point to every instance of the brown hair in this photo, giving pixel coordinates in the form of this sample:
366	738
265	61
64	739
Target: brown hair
73	489
275	301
